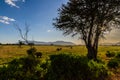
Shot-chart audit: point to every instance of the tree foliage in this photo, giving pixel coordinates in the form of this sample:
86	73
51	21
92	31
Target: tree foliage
90	19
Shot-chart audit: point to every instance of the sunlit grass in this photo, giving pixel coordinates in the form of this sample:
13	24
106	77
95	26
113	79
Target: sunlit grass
103	49
9	52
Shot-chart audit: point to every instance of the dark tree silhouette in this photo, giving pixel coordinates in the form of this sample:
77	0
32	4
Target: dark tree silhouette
90	19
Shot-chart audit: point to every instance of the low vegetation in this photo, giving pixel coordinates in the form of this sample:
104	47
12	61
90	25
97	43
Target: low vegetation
114	63
70	67
110	54
26	68
67	64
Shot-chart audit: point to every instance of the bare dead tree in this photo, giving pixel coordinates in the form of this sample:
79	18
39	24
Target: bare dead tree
23	35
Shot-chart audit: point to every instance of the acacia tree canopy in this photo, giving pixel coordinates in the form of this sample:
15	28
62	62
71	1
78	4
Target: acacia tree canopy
89	19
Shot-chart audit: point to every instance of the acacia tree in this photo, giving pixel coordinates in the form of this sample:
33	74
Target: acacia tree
90	19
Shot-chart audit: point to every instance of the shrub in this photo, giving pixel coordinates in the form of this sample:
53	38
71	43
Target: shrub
69	67
38	54
118	55
22	69
31	51
98	71
110	54
113	63
26	68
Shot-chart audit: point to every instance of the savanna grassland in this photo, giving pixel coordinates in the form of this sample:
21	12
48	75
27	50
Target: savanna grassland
19	63
9	52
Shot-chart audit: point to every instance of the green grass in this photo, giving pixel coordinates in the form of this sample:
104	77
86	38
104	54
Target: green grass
9	52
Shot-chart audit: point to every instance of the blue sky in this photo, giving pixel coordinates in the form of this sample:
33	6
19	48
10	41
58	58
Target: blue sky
39	14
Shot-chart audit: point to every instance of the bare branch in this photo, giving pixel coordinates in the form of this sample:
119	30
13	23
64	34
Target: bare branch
24	35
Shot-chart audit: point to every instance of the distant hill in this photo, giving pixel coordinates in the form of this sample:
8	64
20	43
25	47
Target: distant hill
114	44
118	43
51	43
106	44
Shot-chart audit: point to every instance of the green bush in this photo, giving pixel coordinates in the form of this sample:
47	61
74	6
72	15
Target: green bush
69	67
26	68
98	71
22	69
110	54
31	51
113	63
118	55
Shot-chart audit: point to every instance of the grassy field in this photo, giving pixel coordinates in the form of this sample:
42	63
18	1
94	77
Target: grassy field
9	52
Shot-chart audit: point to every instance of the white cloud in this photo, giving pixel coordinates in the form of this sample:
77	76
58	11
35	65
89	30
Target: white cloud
13	2
6	20
49	31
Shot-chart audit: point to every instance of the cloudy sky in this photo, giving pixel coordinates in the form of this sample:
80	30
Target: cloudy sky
39	14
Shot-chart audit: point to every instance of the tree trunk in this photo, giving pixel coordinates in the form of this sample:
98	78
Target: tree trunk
92	52
93	48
